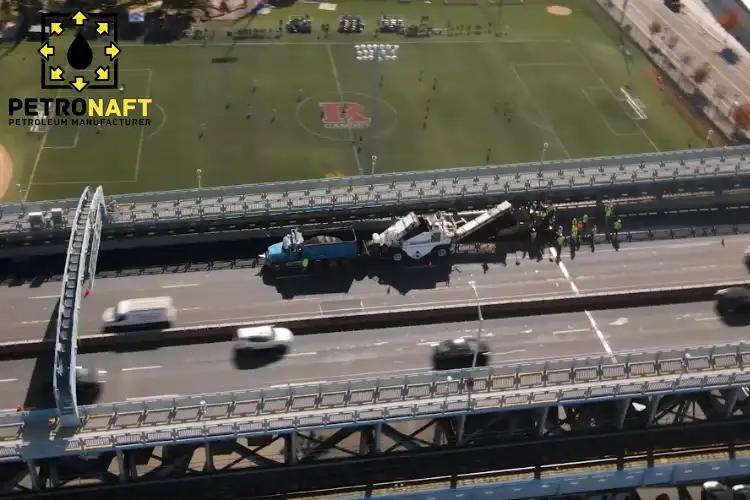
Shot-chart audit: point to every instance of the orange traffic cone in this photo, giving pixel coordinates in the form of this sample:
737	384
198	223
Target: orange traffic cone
19	408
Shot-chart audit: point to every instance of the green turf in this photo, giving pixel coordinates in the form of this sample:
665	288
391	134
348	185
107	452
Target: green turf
560	75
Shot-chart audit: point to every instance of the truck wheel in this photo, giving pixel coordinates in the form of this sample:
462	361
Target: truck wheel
398	256
441	252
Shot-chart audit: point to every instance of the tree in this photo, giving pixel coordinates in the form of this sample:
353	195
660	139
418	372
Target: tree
730	20
701	74
741	117
655	28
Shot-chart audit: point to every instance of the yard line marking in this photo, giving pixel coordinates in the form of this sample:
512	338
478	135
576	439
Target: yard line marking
41	148
75	142
604	84
143	128
186	285
135	368
541	112
341	97
61	183
401	42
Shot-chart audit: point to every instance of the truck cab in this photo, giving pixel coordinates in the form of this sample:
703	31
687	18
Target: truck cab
293	250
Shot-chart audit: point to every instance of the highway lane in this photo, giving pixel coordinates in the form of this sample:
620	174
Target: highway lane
240	295
350	355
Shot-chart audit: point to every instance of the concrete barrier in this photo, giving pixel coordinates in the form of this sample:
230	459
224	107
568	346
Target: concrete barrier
361	320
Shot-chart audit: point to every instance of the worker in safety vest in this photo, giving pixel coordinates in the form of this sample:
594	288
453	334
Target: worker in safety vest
609	212
574	224
559	243
305	263
618	226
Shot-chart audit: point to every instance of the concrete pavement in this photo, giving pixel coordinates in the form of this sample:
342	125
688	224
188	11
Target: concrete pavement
181	370
240	295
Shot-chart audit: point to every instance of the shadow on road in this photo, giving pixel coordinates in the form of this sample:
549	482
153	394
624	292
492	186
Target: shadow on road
39	393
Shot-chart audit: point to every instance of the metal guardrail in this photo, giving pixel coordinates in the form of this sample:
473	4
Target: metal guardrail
406	188
228	415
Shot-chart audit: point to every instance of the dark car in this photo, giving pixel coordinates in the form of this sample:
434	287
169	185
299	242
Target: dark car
459	353
733	300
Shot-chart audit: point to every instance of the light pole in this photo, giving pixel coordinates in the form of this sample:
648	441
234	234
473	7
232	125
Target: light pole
377	53
545	147
372	166
709	138
462	421
20	192
199	174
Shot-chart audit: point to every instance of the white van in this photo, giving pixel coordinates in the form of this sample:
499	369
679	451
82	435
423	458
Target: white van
140	314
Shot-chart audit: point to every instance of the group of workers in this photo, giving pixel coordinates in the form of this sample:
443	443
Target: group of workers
581	231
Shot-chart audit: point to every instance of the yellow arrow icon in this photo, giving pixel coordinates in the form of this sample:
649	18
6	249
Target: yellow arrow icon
46	51
79	17
102	74
112	50
102	28
56	73
56	28
79	83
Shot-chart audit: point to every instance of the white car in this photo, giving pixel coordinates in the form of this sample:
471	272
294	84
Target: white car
262	338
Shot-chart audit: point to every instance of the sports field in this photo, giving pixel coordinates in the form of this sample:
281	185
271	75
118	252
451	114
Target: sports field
462	98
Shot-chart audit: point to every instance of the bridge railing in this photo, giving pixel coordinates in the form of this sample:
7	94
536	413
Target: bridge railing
389	399
410	187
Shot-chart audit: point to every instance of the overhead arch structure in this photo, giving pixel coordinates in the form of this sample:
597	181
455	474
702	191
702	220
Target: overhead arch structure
80	267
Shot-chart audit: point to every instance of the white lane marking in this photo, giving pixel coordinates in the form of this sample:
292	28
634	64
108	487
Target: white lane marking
590	317
714	318
296	354
190	309
507	353
155	367
186	285
37	322
378	344
428	344
101	372
572	330
8	380
159	396
600	335
45	297
619	322
292	384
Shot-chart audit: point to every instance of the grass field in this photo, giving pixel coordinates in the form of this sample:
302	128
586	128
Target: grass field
560	75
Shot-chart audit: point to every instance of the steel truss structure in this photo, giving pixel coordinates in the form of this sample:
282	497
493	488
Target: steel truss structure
495	447
80	266
412	189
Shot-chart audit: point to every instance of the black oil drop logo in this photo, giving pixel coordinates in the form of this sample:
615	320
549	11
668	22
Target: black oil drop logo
80	54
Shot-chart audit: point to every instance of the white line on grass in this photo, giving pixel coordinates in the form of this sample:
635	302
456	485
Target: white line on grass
604	84
59	183
341	97
401	42
541	112
41	148
143	128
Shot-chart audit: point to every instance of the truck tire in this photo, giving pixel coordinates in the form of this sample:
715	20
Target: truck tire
397	256
441	252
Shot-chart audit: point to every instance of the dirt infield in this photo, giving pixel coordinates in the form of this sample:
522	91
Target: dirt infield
559	10
6	171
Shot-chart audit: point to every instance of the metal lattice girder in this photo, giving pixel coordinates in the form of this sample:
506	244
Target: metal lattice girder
415	187
79	265
498	389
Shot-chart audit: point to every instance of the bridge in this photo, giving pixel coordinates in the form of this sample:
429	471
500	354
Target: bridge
370	407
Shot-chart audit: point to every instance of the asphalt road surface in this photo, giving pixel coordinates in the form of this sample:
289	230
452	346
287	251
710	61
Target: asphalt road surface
193	369
241	295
